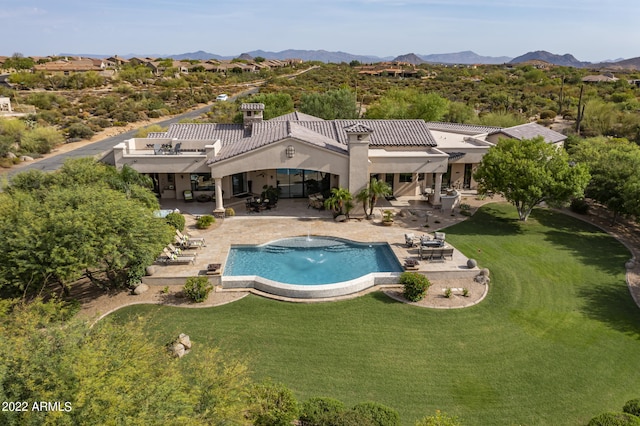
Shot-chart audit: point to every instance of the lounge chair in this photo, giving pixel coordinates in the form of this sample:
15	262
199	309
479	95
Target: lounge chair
172	258
187	241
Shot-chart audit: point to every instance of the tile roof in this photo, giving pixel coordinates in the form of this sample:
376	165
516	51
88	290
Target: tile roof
471	129
384	132
206	131
532	130
252	107
296	116
268	132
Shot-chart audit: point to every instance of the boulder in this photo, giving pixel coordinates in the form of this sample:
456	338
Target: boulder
184	340
151	269
340	218
177	350
482	279
140	289
484	272
630	264
26	158
471	263
10	155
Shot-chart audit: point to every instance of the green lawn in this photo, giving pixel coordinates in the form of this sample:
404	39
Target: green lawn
556	341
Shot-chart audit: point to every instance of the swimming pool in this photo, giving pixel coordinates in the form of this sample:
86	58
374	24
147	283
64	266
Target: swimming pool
310	266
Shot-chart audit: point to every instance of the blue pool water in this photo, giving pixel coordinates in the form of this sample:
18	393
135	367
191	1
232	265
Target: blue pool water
311	261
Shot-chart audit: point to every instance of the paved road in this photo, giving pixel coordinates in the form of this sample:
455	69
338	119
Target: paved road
103	146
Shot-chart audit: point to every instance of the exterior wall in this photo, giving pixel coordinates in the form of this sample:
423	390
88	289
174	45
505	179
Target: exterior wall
358	163
274	156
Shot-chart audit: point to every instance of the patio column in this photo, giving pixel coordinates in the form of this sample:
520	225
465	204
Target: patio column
437	189
219	204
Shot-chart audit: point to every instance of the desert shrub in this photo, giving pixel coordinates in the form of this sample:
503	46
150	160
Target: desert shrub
79	130
448	292
197	289
41	140
205	221
547	114
415	285
273	405
379	414
614	419
632	407
176	220
321	411
579	205
229	211
353	418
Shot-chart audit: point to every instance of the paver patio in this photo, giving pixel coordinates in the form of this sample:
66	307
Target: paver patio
293	218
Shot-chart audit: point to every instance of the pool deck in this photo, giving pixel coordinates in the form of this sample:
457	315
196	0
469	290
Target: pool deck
292	218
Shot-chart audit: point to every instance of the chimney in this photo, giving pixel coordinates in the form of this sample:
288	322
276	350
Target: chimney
251	113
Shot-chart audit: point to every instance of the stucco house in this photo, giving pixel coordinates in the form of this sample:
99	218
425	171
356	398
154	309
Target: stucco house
301	155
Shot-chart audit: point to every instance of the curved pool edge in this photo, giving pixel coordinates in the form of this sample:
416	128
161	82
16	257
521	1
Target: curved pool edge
320	291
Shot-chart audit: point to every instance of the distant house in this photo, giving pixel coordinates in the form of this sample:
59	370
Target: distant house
528	131
5	105
604	78
66	67
301	155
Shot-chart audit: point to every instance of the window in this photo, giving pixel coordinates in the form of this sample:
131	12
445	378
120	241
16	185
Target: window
202	182
406	177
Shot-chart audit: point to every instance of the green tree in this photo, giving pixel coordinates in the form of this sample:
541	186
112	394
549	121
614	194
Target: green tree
530	171
615	180
18	62
87	219
330	105
408	104
458	112
377	189
275	104
273	405
48	357
339	201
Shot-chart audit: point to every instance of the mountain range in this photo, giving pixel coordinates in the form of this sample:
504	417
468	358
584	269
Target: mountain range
466	57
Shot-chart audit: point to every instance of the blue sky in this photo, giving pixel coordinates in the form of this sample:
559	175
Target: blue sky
591	30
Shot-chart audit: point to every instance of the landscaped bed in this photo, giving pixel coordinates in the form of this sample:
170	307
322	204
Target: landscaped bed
555	341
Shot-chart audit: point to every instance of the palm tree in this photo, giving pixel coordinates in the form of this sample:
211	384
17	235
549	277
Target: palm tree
377	188
363	197
339	201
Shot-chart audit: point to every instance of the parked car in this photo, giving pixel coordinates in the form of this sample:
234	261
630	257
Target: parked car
222	97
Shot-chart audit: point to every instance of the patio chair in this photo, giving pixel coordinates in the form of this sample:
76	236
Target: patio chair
440	236
188	196
172	258
187	240
176	149
410	239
